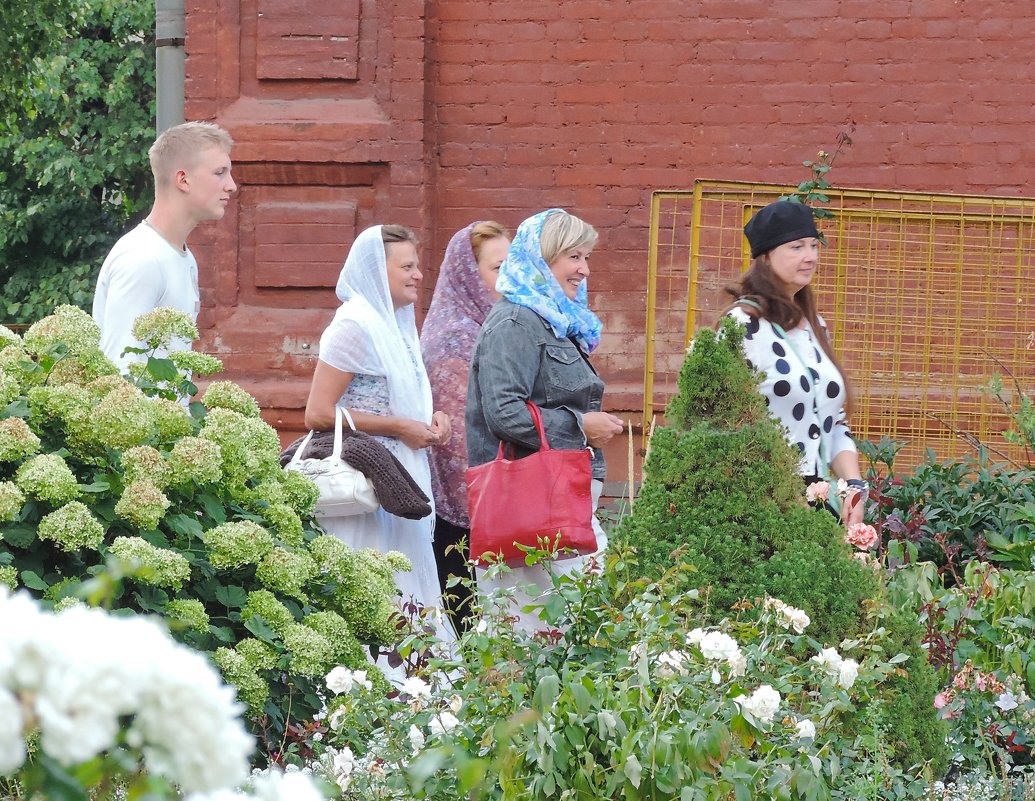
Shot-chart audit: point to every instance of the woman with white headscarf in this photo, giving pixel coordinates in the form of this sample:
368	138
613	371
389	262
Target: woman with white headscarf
535	346
370	363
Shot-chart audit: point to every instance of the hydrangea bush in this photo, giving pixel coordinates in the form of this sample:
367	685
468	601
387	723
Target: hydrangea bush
627	692
722	497
98	706
210	532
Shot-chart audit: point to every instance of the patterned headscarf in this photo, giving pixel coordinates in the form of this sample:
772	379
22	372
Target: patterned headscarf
526	279
458	308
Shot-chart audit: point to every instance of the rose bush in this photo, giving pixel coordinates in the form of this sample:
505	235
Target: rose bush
625	692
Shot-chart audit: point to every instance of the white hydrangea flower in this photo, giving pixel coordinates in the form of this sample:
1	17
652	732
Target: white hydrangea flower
442	723
806	729
81	672
761	705
12	743
273	785
848	673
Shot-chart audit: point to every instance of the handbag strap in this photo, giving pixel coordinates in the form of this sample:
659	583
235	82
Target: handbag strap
301	449
339	412
537	421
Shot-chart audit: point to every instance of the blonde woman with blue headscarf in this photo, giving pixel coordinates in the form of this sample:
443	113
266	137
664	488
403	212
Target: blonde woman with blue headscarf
370	363
535	346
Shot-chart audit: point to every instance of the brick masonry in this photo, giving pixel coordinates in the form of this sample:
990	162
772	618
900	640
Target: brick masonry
433	114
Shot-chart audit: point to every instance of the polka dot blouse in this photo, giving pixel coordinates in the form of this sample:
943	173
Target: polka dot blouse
808	398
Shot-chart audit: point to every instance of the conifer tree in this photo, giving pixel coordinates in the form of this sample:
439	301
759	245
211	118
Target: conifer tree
721	495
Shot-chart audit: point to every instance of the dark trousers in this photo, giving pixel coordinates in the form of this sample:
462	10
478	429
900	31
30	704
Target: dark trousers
451	559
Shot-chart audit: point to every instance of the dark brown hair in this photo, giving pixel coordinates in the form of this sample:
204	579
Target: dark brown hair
759	285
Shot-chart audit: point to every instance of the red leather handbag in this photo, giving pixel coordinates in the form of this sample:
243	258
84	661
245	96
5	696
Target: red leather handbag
516	502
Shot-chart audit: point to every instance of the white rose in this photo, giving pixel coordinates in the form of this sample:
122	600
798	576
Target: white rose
443	722
416	738
799	620
416	688
672	662
717	645
829	660
695	637
341	680
455	704
1006	701
806	729
716	678
761	705
738	664
343	761
848	674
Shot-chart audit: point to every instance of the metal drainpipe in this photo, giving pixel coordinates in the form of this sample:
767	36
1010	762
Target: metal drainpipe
170	35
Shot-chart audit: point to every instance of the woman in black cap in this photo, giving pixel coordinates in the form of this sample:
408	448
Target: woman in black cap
786	341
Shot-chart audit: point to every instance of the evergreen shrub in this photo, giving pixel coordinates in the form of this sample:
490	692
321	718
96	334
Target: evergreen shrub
722	497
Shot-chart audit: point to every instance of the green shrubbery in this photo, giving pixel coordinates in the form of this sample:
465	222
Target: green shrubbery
721	497
192	508
626	693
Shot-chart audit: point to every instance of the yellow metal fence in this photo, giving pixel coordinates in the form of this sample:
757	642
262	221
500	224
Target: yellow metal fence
923	293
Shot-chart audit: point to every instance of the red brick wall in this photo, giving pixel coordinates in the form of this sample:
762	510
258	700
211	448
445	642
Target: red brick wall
495	108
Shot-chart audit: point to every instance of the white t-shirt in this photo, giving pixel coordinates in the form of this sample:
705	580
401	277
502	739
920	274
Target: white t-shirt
142	272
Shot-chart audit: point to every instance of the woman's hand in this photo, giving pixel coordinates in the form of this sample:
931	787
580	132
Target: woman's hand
442	426
600	427
852	507
415	434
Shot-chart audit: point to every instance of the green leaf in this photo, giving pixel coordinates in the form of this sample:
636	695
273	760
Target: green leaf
33	581
20	536
162	369
232	597
546	692
261	629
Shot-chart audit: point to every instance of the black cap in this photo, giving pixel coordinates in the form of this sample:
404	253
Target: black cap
778	223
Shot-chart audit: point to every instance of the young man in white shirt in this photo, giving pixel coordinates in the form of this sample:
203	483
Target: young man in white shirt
151	265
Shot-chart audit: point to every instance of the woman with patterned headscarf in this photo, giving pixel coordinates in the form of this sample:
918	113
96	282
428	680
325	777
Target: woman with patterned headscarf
370	363
464	293
535	346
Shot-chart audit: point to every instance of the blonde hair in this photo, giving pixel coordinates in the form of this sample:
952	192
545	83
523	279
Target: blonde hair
482	232
178	148
562	232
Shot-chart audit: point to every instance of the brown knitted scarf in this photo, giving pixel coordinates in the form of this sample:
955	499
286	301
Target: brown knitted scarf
398	493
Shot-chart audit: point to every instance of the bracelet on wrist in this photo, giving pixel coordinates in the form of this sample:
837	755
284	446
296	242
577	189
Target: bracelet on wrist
858	484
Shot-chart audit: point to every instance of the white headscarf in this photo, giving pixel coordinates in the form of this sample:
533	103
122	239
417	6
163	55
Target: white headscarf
369	336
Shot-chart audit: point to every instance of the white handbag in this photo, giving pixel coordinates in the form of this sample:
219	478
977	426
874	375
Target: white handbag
344	490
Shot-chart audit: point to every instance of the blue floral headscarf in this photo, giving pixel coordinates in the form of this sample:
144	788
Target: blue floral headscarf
526	279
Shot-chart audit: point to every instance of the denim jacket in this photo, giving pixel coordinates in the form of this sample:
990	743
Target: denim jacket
517	358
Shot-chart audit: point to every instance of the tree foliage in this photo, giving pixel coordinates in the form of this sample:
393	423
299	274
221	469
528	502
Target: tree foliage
76	119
